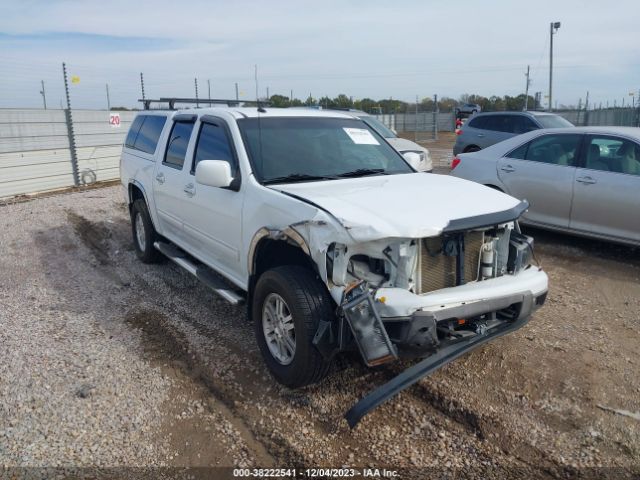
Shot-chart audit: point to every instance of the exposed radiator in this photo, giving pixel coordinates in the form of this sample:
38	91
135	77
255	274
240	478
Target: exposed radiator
439	271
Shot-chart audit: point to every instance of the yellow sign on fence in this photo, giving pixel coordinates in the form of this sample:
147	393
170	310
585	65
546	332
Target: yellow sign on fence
75	79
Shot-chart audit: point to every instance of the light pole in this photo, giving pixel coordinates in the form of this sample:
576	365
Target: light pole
553	28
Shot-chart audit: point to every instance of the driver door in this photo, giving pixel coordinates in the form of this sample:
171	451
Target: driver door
213	215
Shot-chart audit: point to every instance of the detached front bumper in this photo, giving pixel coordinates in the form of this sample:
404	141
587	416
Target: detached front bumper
425	367
447	323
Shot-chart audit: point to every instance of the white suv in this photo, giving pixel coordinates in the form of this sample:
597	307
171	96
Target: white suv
333	240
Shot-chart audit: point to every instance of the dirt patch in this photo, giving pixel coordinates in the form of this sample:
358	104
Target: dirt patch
95	235
193	441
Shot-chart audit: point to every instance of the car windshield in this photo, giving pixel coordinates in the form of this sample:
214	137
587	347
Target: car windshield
553	121
378	126
294	149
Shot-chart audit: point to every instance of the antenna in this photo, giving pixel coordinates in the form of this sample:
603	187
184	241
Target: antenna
260	109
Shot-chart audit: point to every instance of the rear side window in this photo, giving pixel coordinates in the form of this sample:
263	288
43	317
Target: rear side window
478	122
522	124
133	131
178	142
553	149
501	123
213	144
147	139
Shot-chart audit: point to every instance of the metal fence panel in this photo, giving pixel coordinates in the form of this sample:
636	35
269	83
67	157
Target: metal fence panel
422	122
35	155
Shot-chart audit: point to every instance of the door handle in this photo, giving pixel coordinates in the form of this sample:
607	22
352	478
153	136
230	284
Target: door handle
586	180
507	168
189	189
481	135
160	177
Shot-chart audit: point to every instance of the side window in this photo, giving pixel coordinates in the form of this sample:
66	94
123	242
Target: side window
147	139
612	154
213	144
133	131
478	122
521	124
178	142
494	122
528	124
519	153
554	149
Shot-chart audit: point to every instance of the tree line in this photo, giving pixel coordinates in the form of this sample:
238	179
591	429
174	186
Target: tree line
389	105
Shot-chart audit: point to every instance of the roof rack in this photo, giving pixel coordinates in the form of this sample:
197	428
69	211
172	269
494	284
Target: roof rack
207	101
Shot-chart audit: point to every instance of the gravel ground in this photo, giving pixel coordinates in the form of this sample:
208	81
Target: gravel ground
109	362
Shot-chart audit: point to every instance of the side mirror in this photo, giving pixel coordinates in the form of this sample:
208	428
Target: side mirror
414	159
214	173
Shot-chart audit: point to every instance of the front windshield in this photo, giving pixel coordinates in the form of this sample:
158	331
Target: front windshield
288	149
378	126
553	121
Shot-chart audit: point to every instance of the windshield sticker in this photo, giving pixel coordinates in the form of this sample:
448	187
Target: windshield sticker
361	136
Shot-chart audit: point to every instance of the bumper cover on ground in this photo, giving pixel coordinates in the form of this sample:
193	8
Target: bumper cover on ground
528	303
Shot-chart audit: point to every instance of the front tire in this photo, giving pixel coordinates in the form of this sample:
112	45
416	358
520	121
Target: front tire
144	235
288	304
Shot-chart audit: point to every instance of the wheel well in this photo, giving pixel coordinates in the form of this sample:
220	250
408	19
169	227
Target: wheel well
274	253
271	253
468	148
135	193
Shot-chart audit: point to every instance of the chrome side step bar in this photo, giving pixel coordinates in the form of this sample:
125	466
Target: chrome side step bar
211	280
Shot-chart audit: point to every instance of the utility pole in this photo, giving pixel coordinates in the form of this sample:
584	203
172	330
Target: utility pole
436	110
108	99
526	90
142	85
209	90
255	73
291	96
195	81
415	133
44	97
237	97
268	97
553	28
586	110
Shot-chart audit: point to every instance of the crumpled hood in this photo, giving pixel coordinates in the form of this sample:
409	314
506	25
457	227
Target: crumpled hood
413	205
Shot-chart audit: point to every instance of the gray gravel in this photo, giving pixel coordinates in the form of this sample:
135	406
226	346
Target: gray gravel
73	386
106	361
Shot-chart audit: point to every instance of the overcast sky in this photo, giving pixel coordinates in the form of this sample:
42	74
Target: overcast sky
372	48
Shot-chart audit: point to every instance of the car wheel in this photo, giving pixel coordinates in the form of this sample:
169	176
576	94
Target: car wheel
288	304
473	112
144	235
472	148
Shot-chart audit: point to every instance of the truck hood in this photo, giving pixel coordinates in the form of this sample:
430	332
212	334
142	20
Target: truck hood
412	205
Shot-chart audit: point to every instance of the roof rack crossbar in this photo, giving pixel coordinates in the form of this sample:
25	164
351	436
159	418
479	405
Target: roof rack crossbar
207	101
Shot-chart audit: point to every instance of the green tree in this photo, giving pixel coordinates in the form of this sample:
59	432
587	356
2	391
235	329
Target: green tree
342	101
279	101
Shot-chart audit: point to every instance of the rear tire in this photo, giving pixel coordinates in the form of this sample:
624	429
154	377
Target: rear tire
472	148
144	235
285	339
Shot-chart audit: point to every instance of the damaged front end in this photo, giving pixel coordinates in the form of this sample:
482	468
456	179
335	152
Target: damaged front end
433	298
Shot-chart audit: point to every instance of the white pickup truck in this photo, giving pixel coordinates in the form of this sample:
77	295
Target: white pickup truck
330	236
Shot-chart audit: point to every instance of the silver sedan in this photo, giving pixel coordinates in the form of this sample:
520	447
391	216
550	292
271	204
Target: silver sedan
581	180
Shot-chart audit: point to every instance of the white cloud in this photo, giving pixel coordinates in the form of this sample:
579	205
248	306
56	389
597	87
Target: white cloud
373	48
